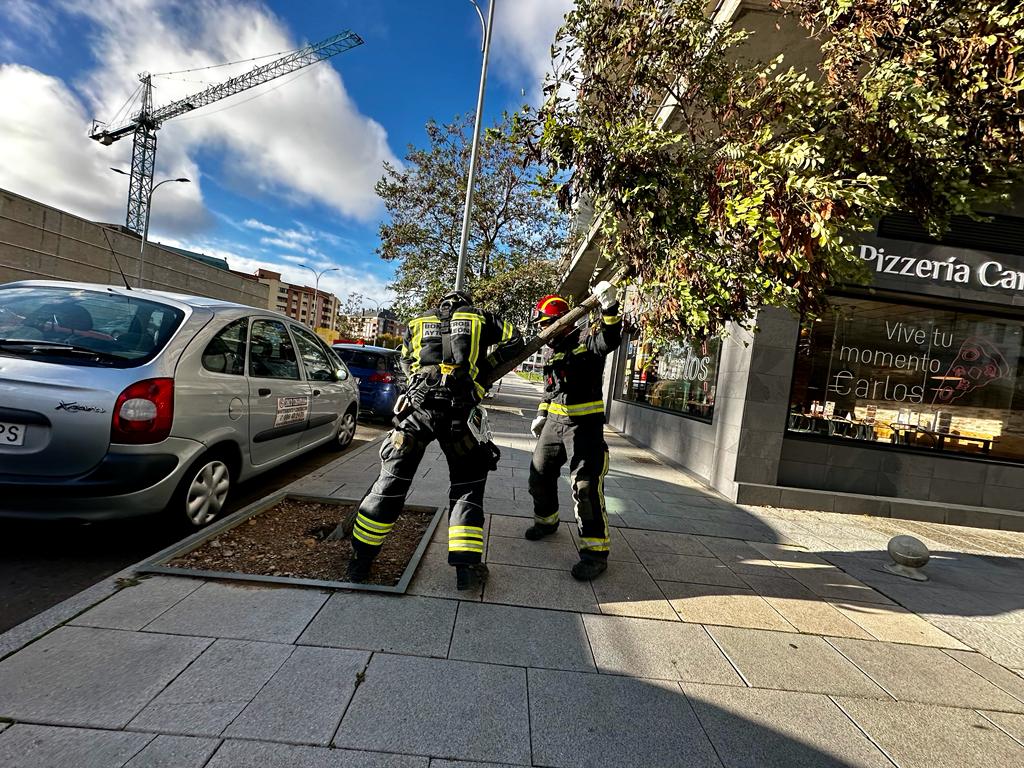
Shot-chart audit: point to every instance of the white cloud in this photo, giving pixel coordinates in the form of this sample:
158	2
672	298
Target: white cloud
523	33
304	142
29	20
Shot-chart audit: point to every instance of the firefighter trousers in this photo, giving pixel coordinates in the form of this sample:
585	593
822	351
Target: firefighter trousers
581	444
400	455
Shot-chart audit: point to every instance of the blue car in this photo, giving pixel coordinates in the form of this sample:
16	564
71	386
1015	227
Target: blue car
380	376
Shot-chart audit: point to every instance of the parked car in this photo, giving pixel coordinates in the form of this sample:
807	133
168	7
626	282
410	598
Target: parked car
380	375
118	402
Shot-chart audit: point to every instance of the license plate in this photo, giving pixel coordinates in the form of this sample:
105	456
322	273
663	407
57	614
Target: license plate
11	434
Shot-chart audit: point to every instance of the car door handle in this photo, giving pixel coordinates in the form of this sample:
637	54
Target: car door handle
264	392
316	393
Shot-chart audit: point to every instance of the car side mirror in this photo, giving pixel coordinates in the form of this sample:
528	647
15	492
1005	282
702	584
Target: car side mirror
341	375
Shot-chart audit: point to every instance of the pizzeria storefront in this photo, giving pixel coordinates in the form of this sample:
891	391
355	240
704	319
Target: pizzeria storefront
905	398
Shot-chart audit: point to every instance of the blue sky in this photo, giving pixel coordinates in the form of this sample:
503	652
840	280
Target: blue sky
283	174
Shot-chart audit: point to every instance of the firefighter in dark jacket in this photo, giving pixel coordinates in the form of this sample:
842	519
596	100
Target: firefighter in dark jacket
444	354
570	428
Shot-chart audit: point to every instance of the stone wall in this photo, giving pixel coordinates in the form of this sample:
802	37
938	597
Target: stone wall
38	242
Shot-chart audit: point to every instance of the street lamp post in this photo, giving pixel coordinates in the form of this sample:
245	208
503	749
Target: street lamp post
316	291
149	209
460	274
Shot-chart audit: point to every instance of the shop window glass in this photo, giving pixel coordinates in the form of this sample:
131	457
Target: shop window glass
678	375
913	377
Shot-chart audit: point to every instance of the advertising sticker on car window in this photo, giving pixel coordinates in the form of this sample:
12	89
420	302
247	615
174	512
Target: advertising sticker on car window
291	410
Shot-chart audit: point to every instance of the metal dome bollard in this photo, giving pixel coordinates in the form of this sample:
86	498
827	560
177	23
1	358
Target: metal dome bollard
909	556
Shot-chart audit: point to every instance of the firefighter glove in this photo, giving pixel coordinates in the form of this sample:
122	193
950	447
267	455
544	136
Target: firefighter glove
606	294
538	425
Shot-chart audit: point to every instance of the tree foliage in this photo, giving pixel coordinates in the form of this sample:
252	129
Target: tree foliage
516	235
728	183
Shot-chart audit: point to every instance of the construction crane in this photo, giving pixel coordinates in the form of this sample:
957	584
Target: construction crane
144	125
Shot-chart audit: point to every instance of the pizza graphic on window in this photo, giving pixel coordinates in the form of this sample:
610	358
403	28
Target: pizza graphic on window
978	363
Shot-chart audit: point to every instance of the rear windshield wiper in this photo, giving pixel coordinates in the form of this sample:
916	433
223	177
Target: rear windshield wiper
37	347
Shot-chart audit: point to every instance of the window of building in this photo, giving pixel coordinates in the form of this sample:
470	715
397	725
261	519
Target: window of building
679	375
910	376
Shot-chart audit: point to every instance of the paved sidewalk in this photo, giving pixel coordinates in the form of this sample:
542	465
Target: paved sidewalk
720	636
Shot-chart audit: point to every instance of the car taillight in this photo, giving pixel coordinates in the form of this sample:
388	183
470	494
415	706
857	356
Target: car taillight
382	378
143	412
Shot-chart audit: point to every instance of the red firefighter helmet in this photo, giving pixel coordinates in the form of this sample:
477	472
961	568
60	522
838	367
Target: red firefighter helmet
549	308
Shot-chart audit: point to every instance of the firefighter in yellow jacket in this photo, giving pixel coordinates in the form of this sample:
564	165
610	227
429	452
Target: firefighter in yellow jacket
570	428
444	354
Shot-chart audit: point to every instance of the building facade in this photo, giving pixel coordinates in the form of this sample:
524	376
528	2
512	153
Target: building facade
370	326
317	309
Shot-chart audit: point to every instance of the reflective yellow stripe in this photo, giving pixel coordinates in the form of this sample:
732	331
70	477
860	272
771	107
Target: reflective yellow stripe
594	543
367	538
580	409
460	547
466	531
543	407
373	525
506	331
545	304
416	325
580	349
611	319
475	331
549	520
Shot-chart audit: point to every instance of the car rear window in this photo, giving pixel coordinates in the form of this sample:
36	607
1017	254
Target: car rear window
374	361
121	329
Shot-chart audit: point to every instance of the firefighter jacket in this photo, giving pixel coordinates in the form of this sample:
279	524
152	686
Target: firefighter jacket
574	370
457	348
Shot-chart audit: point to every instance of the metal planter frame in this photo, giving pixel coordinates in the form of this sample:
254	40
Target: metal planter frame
158	562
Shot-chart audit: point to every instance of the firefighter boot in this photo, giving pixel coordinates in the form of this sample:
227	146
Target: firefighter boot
470	576
588	568
538	531
358	570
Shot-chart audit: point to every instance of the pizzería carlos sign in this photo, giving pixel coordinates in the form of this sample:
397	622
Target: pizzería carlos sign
949	270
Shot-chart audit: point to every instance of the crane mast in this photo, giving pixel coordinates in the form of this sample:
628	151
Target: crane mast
144	125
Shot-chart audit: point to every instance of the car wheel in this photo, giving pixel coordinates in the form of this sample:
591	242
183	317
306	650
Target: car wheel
205	490
346	430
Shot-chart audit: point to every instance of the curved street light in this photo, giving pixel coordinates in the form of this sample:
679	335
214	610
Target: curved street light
149	210
460	272
316	291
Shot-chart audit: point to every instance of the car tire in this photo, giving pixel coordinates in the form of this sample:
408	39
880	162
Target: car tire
346	431
203	492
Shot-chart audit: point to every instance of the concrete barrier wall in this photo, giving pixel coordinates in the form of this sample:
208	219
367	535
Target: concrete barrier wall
39	242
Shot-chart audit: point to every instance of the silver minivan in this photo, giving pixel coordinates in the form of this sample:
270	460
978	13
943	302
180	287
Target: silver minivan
118	402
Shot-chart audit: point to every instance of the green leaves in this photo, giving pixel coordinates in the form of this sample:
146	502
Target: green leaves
728	182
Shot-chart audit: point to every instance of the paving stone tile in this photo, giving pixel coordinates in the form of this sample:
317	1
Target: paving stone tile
462	764
657	649
421	626
833	584
707	604
91	677
453	709
803	609
274	615
925	675
556	555
739	556
999	676
580	721
695	570
206	697
789	662
435	578
259	754
895	624
753	728
175	752
666	543
514	528
44	746
134	607
524	637
539	588
920	736
304	700
1012	724
626	589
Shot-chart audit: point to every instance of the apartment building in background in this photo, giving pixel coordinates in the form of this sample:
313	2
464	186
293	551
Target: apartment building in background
317	309
373	324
